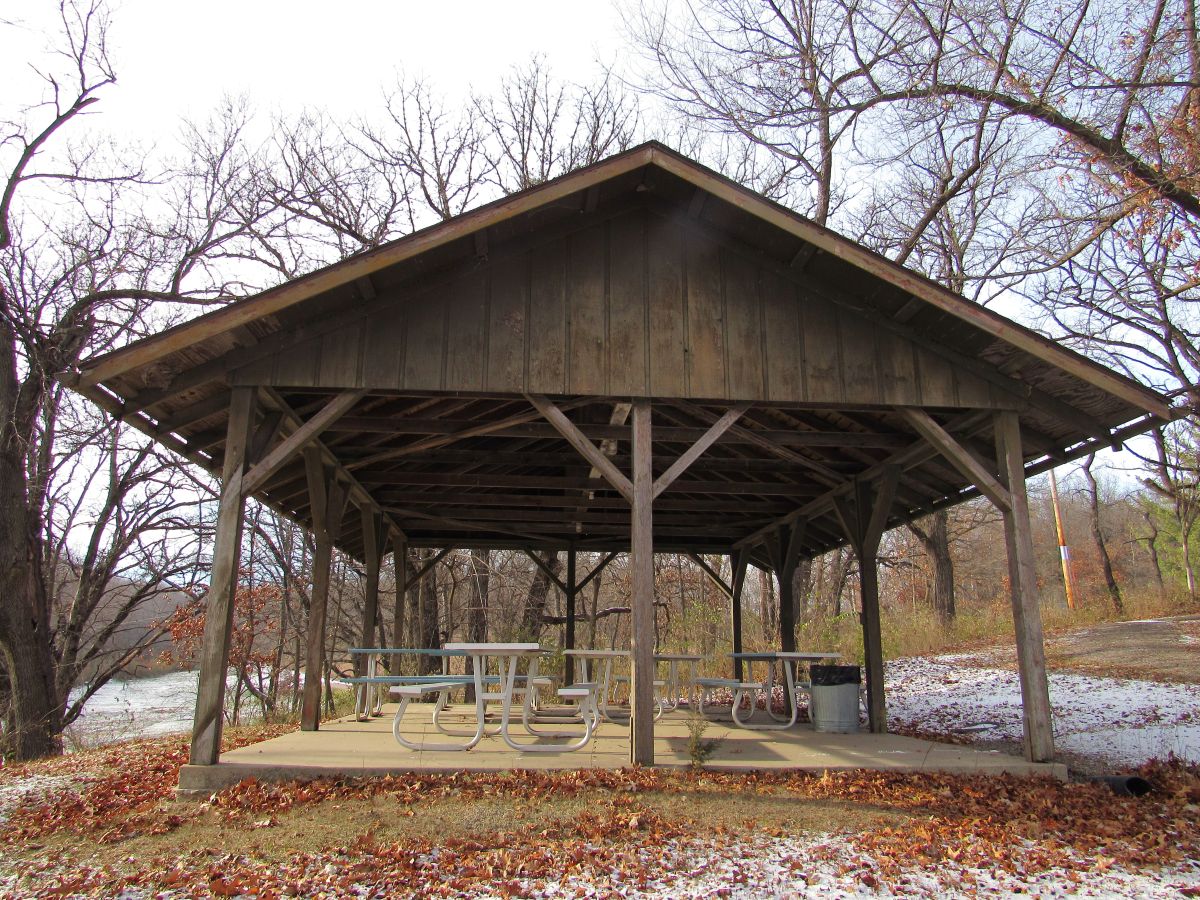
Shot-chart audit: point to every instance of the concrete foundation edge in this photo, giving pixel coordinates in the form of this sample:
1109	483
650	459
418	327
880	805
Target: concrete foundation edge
198	782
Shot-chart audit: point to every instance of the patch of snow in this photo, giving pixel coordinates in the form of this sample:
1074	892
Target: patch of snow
826	866
1117	722
14	792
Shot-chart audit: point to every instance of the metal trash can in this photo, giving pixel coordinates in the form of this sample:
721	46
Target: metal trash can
834	705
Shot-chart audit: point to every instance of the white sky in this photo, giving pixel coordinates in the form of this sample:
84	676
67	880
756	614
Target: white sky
177	60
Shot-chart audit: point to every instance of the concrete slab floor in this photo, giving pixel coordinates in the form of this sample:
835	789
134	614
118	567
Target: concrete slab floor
346	747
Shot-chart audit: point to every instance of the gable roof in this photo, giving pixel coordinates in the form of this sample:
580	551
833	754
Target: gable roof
651	155
175	385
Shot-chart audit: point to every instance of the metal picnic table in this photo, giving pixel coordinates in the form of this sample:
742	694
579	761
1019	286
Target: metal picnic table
373	681
667	691
790	661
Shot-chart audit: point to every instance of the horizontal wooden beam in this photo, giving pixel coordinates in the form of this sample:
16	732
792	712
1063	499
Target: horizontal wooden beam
912	456
194	412
537	457
359	494
573	501
551	482
468	429
608	432
456	524
533	534
763	442
710	437
603	517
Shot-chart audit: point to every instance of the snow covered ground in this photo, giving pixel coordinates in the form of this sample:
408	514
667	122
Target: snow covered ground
825	867
1112	723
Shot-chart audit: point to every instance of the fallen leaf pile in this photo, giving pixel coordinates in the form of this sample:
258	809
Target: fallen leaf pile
114	791
953	825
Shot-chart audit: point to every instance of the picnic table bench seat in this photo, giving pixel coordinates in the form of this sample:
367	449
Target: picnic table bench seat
410	691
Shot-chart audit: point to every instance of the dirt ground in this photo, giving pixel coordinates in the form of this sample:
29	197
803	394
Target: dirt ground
1166	649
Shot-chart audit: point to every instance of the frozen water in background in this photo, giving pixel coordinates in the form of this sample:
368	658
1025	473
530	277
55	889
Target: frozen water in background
143	707
137	707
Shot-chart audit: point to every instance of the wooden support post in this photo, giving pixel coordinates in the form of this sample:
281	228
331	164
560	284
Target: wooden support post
868	573
328	500
400	561
864	518
569	632
218	623
642	565
740	560
1022	576
785	556
373	541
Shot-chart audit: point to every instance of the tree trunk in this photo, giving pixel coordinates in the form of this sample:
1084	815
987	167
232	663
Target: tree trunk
769	605
1152	547
801	590
1114	591
430	636
34	708
539	593
481	571
1185	540
842	563
936	542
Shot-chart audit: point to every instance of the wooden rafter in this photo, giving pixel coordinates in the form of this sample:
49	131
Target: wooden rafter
302	435
958	456
589	451
694	452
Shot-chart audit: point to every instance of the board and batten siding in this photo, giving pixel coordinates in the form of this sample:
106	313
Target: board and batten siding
639	305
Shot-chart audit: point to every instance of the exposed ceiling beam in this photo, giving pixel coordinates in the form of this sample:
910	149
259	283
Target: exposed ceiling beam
573	436
958	456
300	436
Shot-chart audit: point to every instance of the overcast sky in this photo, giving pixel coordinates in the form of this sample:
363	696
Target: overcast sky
177	60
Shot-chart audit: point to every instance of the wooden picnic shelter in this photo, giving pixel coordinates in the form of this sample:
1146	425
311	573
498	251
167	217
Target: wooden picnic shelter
640	356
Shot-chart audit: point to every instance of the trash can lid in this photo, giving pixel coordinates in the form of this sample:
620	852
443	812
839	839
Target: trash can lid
831	675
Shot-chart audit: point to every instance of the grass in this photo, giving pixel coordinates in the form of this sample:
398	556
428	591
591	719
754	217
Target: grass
699	750
277	837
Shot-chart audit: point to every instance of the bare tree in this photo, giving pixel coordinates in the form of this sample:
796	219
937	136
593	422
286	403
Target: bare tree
84	266
535	128
437	151
1175	479
1098	535
936	541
